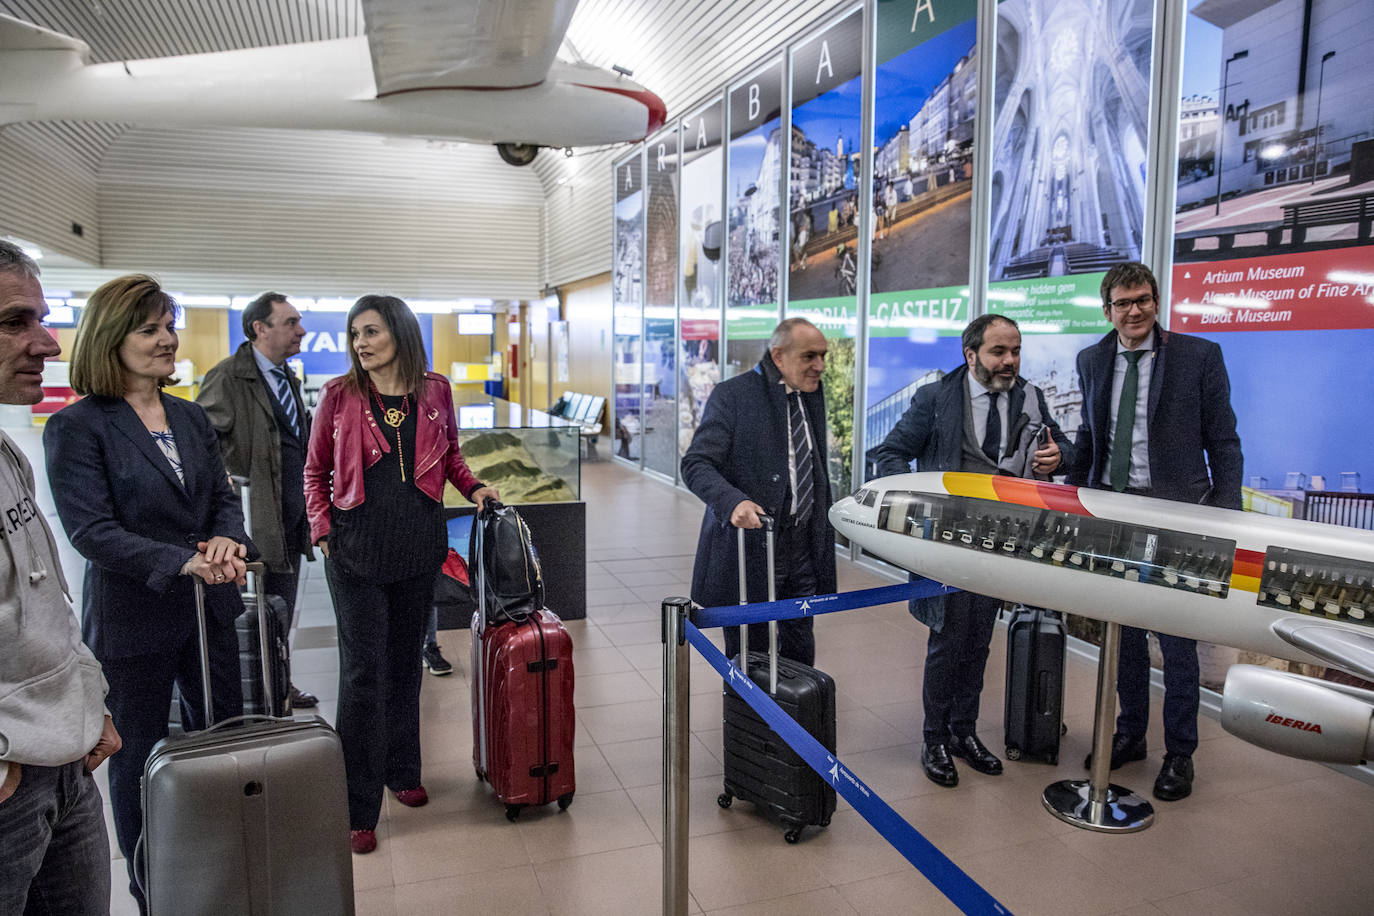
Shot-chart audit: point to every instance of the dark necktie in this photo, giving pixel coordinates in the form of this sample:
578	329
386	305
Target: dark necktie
1120	465
801	456
992	439
288	401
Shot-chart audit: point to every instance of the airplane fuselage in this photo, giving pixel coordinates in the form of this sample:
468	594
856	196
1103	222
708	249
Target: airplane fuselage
322	85
1251	581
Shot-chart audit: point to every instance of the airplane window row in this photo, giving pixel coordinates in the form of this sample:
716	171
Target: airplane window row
1136	553
1318	585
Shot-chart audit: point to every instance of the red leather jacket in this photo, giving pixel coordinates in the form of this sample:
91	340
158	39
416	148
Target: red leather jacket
345	439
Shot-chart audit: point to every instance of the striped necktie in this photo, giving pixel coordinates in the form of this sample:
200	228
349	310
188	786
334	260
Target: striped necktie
287	399
801	455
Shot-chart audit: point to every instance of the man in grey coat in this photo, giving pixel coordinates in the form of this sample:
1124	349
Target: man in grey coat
984	418
254	401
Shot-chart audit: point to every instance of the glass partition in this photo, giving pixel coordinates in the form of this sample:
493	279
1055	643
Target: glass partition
1135	553
1318	585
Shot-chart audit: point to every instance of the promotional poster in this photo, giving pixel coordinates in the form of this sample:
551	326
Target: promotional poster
660	306
1278	236
1070	132
702	240
753	193
627	292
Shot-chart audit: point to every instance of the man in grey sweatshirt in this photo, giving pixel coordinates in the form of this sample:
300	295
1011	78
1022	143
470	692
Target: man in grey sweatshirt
54	851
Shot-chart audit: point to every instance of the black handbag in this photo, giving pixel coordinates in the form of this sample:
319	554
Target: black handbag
504	565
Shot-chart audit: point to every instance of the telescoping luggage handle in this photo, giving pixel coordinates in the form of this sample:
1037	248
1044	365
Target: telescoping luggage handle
768	525
255	570
479	624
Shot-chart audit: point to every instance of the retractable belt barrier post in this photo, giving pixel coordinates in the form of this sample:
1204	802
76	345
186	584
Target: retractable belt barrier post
937	868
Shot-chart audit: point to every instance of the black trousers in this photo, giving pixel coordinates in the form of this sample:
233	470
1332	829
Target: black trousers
381	631
139	698
955	659
1181	691
285	586
796	578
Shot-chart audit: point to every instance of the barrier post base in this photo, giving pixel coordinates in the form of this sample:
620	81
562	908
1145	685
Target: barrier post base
1121	811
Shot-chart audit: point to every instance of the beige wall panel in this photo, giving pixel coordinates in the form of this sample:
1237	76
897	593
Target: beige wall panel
587	307
48	187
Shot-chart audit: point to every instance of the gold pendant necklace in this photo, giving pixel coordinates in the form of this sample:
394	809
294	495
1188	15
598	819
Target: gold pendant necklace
394	417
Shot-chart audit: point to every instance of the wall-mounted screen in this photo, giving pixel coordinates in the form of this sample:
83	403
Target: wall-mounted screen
476	323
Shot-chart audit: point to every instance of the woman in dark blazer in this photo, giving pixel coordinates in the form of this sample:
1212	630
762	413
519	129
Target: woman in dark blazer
142	492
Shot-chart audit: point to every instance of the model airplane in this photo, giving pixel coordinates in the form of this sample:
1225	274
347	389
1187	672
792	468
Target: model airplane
1291	589
478	70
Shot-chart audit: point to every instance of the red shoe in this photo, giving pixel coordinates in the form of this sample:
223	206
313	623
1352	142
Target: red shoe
362	841
413	798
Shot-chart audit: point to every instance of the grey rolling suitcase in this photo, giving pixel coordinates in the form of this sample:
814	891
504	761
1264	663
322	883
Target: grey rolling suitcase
249	816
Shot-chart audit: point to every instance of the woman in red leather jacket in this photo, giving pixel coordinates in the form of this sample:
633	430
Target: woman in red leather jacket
384	441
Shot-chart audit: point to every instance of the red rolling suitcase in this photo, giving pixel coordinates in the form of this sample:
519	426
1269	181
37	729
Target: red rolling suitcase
522	694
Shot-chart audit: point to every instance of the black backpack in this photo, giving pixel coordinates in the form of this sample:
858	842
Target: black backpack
503	565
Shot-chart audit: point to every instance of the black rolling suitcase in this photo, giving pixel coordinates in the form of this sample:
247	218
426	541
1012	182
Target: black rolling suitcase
1036	643
759	766
248	816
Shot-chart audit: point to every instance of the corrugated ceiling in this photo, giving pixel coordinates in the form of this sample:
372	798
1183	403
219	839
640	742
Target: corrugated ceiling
680	50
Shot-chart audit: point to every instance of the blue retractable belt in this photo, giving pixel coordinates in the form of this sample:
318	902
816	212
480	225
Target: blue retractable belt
947	877
733	615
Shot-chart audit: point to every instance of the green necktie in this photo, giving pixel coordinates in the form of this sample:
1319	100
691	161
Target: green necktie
1120	463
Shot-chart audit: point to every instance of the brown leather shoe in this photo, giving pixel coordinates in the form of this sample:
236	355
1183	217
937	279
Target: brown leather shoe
299	699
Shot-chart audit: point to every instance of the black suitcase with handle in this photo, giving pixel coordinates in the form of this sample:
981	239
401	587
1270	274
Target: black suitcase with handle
759	766
1036	643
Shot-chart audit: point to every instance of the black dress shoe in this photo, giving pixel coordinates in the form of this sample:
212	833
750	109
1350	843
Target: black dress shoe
1175	778
299	699
978	756
1125	748
939	766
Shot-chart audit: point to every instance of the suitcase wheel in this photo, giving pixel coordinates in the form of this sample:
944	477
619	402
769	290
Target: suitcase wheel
792	835
724	799
1063	729
481	777
564	801
1052	760
825	821
513	812
1013	753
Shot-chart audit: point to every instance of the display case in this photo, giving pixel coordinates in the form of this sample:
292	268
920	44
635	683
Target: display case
528	455
532	459
1318	585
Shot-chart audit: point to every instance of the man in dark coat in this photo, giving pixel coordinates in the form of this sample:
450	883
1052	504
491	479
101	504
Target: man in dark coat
761	450
254	401
1177	441
982	417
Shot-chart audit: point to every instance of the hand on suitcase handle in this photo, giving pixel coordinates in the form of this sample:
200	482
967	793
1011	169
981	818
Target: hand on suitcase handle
748	514
219	560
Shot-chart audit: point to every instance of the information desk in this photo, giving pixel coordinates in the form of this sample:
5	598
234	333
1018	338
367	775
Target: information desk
532	458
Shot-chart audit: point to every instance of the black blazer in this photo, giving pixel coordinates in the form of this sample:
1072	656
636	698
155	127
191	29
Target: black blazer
126	512
739	452
1195	454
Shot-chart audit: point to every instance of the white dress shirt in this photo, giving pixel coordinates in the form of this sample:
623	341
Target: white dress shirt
1140	435
978	396
791	455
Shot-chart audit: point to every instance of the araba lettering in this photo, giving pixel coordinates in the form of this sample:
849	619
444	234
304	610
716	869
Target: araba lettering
701	132
823	65
662	151
923	5
753	101
629	183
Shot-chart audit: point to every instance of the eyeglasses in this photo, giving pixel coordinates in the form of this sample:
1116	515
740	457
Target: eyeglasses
1125	305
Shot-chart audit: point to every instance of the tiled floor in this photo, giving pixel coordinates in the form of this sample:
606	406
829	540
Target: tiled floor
1261	833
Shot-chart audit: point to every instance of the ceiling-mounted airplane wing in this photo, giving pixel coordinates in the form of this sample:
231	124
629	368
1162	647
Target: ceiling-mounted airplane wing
463	44
16	35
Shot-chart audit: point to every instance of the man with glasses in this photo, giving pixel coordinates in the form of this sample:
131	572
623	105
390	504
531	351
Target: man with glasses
1157	421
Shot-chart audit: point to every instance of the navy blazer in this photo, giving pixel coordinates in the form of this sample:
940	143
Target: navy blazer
1195	454
931	432
739	452
126	512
